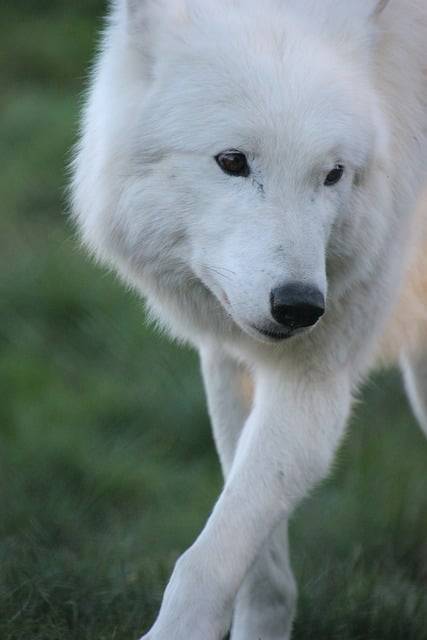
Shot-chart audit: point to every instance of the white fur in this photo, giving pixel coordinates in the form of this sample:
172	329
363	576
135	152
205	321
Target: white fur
298	85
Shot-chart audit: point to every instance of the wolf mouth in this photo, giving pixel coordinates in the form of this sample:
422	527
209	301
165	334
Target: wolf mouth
277	336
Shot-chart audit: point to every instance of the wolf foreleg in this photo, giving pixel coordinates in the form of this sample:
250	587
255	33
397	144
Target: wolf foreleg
414	368
286	447
266	602
229	402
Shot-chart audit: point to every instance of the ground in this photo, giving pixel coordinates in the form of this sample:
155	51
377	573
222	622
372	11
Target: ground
107	466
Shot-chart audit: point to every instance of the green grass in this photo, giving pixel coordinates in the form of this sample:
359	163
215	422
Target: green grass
107	467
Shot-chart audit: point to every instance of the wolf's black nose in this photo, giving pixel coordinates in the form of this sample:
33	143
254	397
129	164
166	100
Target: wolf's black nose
296	305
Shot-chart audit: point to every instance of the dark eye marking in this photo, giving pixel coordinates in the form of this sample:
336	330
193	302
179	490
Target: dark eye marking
234	163
259	186
334	176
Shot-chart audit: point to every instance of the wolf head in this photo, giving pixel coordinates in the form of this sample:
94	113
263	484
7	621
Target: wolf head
229	154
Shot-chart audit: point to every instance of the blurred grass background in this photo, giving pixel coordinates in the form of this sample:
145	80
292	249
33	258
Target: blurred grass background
107	467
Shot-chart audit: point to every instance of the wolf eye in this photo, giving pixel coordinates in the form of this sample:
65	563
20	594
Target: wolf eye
334	176
234	163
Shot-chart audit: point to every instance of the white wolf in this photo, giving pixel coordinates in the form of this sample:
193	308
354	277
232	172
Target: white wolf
253	169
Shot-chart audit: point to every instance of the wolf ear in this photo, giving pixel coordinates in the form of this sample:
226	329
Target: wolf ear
146	21
142	13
